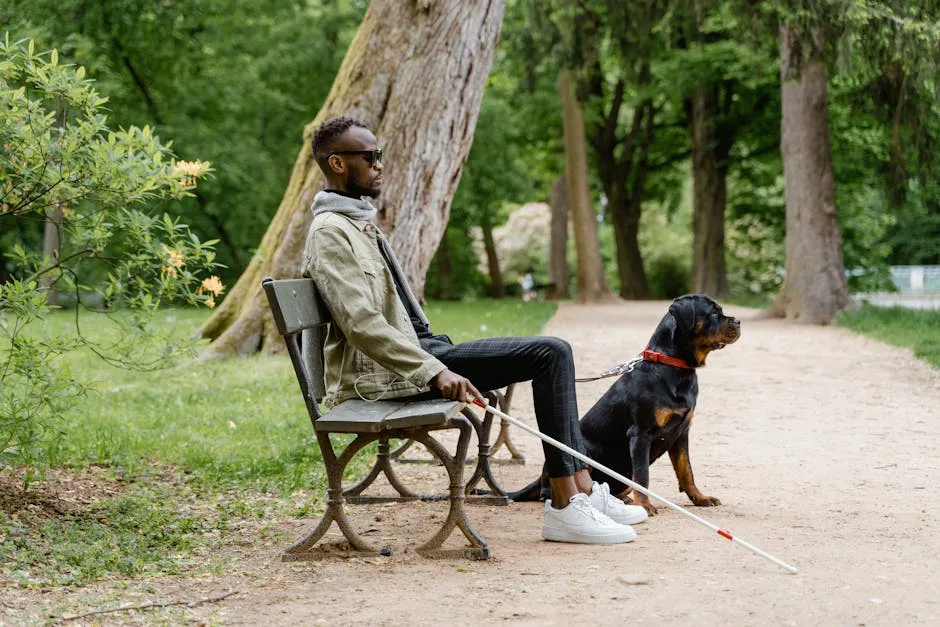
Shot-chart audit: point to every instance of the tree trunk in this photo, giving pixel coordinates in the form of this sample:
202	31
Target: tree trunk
710	174
497	288
414	74
592	285
558	243
622	167
814	289
51	250
625	217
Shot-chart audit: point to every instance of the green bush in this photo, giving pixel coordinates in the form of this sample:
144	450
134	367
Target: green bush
60	158
668	274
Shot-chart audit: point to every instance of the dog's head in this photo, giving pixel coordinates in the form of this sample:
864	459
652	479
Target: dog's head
694	326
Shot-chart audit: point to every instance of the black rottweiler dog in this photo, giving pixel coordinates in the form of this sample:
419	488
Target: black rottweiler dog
648	411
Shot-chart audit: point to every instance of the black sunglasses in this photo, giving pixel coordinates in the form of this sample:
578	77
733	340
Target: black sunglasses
371	155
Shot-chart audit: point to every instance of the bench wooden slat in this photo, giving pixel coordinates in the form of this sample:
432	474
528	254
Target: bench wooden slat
418	413
358	416
299	305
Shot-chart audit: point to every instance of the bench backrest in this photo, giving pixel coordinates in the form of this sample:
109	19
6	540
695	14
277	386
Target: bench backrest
301	317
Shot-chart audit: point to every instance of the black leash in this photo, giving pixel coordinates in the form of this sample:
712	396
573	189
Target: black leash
616	371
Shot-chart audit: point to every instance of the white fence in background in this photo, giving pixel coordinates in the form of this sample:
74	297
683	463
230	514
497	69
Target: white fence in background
918	288
916	279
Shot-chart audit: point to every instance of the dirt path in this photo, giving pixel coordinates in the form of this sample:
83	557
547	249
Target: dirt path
821	445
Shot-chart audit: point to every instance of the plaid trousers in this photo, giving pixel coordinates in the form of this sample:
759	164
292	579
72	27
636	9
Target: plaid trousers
494	363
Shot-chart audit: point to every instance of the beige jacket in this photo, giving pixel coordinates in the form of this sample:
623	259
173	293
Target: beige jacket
371	348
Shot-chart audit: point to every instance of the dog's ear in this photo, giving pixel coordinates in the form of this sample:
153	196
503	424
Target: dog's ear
684	312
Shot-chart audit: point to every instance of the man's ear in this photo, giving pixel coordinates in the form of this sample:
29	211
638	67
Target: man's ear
336	164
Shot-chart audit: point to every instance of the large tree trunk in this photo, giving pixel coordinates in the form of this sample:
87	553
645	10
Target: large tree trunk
414	74
592	285
710	175
497	288
814	289
558	243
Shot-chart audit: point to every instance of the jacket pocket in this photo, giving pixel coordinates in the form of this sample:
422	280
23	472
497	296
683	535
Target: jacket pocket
375	275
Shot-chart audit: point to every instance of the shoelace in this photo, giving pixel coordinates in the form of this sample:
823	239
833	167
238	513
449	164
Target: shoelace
583	504
604	491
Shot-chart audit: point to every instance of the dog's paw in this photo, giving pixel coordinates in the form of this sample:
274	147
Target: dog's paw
645	504
705	501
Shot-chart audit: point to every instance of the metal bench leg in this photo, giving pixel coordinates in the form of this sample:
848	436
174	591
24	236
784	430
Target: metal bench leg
483	469
383	464
456	516
334	504
505	437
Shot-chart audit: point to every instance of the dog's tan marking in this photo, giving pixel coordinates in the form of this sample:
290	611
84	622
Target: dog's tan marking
683	468
663	415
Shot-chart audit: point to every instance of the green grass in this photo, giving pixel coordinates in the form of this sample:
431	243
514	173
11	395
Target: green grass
469	320
130	535
225	425
917	329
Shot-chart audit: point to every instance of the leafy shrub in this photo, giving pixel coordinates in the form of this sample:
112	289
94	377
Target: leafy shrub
60	162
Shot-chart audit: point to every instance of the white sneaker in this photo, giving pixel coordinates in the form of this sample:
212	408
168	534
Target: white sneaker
581	523
606	503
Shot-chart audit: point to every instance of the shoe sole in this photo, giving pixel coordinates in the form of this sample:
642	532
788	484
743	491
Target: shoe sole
638	521
559	535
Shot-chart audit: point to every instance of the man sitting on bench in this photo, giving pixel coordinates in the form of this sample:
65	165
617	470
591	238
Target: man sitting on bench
380	344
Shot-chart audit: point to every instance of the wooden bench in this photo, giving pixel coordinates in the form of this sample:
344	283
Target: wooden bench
301	318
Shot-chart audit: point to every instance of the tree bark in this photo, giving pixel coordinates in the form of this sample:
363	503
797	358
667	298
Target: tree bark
592	285
710	192
622	167
814	289
497	287
558	242
414	74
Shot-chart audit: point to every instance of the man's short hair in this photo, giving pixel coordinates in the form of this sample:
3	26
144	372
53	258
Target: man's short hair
324	138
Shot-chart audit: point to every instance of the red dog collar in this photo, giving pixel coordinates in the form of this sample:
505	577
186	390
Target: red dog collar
659	358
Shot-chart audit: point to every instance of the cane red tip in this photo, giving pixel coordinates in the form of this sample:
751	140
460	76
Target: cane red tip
479	403
725	534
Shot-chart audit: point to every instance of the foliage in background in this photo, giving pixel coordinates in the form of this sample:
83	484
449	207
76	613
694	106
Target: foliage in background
522	243
496	175
235	82
59	154
231	81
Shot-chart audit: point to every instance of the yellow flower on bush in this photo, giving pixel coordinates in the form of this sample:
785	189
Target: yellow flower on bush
190	171
213	285
174	260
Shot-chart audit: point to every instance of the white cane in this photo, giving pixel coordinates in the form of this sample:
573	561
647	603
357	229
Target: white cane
587	460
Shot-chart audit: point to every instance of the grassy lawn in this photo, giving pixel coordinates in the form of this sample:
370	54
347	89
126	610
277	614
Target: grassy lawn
918	329
231	427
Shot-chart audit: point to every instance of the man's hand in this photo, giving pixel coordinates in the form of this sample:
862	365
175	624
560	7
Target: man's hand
455	387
